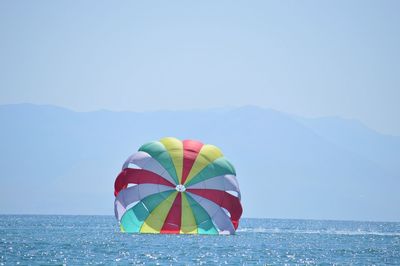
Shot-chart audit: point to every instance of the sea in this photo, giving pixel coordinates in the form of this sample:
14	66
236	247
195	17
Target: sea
92	240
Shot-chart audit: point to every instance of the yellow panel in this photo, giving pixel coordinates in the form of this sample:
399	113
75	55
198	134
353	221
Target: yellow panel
122	228
175	149
155	221
188	223
207	155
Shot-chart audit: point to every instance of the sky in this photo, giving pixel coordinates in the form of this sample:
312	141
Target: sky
309	58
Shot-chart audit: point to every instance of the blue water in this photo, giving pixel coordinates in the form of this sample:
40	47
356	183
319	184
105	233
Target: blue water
77	240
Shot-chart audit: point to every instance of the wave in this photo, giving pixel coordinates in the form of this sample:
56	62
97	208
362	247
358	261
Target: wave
322	232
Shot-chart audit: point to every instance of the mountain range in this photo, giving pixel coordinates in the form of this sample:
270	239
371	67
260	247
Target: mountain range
58	161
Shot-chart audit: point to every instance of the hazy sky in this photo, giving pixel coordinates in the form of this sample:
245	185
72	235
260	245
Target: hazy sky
309	58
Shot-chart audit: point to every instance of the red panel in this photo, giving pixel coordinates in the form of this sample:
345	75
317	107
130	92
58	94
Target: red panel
191	149
223	199
137	176
172	223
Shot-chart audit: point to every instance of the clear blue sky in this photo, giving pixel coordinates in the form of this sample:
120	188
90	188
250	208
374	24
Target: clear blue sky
309	58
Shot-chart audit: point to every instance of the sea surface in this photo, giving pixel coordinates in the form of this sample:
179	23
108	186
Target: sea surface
80	240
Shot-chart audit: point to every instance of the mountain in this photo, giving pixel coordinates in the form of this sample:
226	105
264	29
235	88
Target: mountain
57	161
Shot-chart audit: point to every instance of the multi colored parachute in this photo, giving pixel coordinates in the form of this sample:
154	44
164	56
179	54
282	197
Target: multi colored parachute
177	187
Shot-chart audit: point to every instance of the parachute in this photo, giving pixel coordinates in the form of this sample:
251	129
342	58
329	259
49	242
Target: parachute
177	187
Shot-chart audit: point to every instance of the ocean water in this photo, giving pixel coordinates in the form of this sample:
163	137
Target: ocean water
80	240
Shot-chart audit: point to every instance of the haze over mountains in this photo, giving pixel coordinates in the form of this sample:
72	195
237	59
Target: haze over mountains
57	161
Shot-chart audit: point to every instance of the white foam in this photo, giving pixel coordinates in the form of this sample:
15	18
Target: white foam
322	232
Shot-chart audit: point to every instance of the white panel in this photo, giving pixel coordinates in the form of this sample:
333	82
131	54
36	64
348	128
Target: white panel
222	182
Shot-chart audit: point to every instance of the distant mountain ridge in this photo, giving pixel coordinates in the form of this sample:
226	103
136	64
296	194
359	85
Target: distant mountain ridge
54	160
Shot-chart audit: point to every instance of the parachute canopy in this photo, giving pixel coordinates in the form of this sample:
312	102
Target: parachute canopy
177	187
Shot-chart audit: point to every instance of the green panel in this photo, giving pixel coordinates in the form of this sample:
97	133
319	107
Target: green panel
203	220
220	166
207	228
158	151
152	201
134	218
